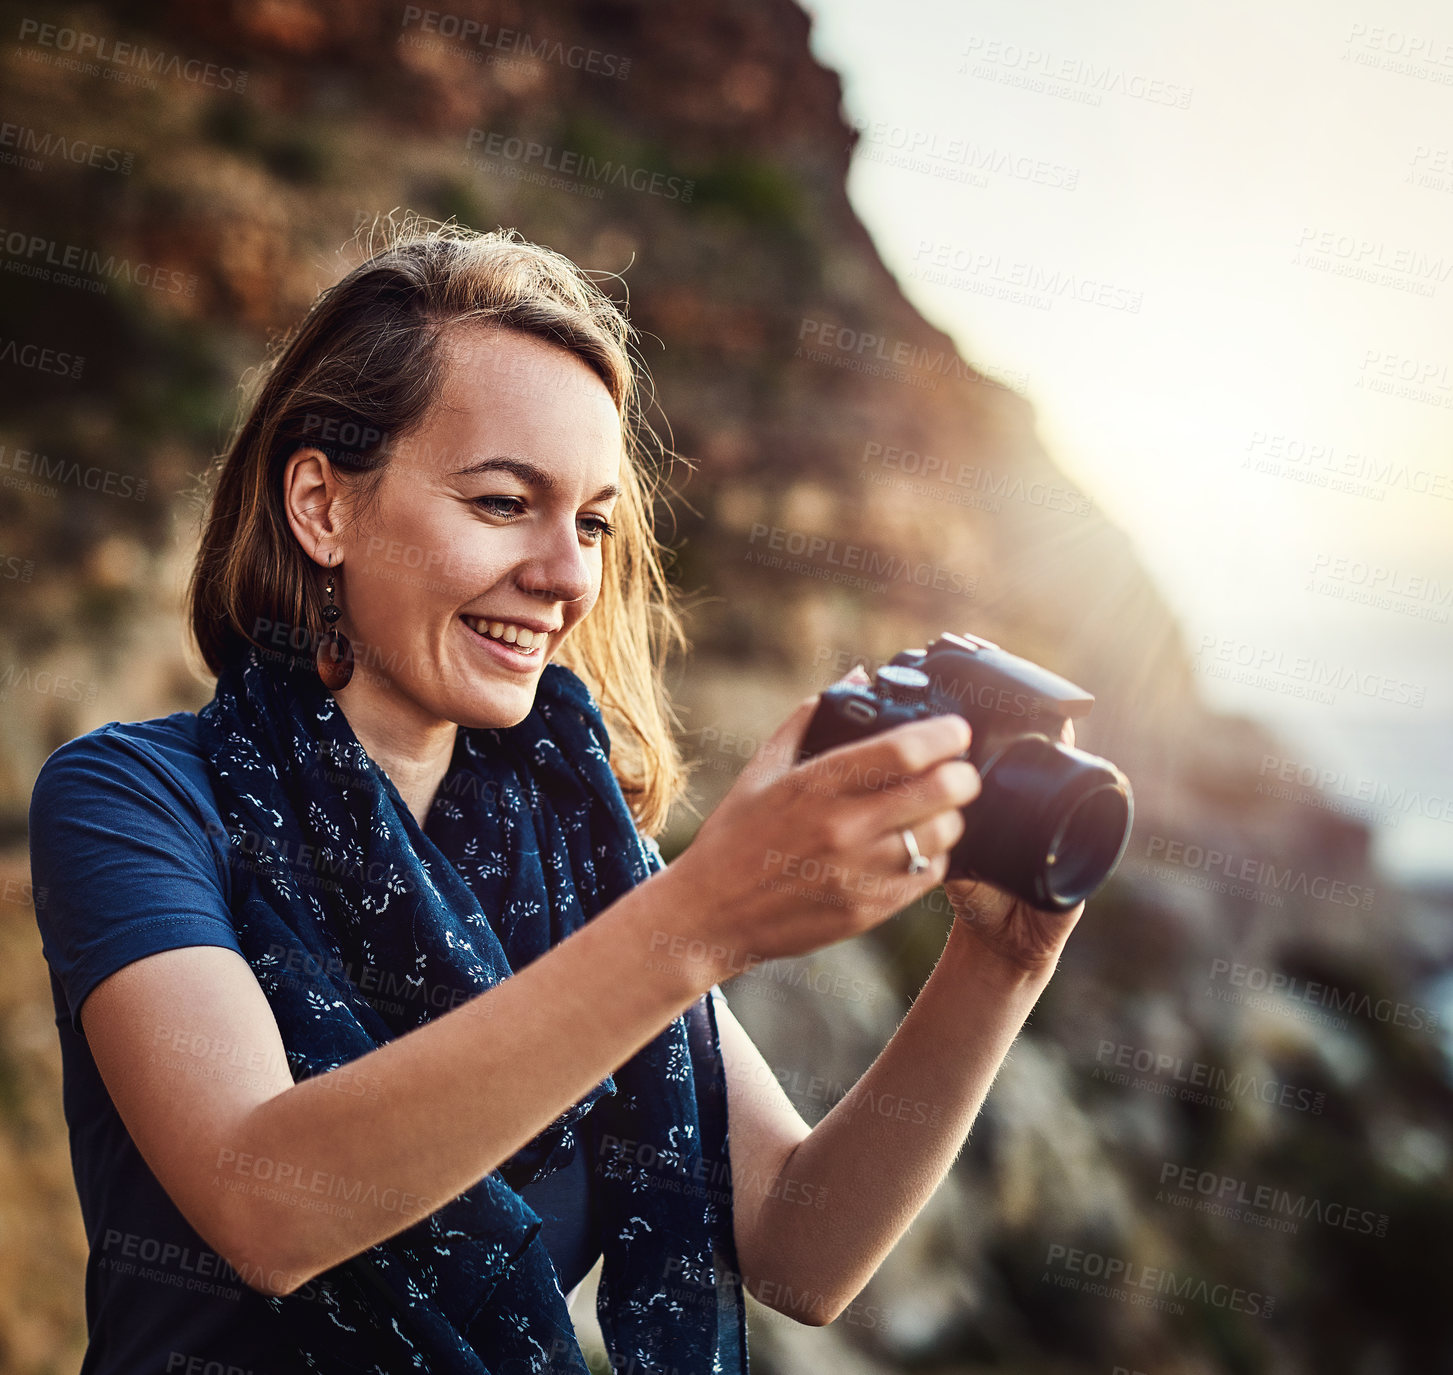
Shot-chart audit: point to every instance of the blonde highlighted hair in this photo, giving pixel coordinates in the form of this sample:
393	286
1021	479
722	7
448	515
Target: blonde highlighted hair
367	363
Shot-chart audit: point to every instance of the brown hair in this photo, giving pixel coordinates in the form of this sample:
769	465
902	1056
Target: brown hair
365	366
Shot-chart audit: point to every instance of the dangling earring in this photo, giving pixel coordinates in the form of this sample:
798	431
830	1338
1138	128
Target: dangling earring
335	649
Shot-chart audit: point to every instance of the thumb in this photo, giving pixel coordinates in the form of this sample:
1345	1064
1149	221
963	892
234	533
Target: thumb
778	752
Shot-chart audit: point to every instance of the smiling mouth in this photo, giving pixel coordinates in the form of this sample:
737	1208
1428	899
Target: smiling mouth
519	638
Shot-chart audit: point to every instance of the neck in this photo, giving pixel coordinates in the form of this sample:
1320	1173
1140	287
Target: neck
413	751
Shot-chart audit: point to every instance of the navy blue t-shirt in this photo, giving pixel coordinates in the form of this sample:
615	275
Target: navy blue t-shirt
128	857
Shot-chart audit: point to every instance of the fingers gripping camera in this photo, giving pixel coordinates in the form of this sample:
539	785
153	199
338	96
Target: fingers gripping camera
1052	821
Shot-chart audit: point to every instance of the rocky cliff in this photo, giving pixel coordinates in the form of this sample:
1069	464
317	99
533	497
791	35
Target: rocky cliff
852	487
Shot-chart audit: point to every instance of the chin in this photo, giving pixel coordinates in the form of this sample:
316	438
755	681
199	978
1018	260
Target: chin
495	710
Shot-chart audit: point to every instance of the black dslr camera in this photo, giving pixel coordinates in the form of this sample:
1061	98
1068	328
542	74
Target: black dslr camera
1052	821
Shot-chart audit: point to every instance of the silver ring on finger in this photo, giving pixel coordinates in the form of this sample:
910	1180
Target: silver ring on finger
916	862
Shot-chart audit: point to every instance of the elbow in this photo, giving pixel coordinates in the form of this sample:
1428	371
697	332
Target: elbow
278	1284
815	1314
267	1276
258	1255
812	1318
828	1311
810	1307
831	1307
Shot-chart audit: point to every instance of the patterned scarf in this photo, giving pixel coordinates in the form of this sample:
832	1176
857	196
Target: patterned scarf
360	926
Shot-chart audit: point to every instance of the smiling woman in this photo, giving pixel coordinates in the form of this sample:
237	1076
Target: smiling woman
381	1017
407	407
465	645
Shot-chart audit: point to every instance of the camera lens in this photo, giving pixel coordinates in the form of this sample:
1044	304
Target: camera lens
1088	844
1049	826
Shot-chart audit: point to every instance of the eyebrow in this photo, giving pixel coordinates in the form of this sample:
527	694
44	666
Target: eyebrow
529	474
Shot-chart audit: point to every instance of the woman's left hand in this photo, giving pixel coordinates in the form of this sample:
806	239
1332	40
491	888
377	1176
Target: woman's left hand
1025	938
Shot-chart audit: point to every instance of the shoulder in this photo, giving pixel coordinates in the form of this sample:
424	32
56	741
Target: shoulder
161	748
144	771
128	854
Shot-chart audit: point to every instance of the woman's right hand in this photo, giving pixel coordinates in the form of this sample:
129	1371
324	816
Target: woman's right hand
799	856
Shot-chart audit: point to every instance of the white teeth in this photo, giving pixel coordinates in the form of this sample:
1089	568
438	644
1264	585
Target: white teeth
522	637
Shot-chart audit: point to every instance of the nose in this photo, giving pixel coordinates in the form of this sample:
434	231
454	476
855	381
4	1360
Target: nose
560	572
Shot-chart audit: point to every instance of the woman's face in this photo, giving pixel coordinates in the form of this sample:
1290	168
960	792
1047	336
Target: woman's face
484	547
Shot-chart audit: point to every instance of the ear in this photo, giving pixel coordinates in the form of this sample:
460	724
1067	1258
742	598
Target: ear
313	499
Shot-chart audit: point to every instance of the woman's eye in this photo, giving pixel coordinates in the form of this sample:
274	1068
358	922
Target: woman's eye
511	505
596	527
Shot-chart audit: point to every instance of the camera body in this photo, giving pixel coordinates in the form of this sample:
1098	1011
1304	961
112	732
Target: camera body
1052	821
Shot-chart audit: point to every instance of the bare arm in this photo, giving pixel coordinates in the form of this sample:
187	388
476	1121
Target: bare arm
191	1054
818	1210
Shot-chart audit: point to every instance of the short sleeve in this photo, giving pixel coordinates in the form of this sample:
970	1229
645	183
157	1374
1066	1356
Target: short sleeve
121	863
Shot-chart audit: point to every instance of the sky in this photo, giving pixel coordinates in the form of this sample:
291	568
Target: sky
1213	245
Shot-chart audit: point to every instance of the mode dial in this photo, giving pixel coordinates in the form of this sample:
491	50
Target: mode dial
895	683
